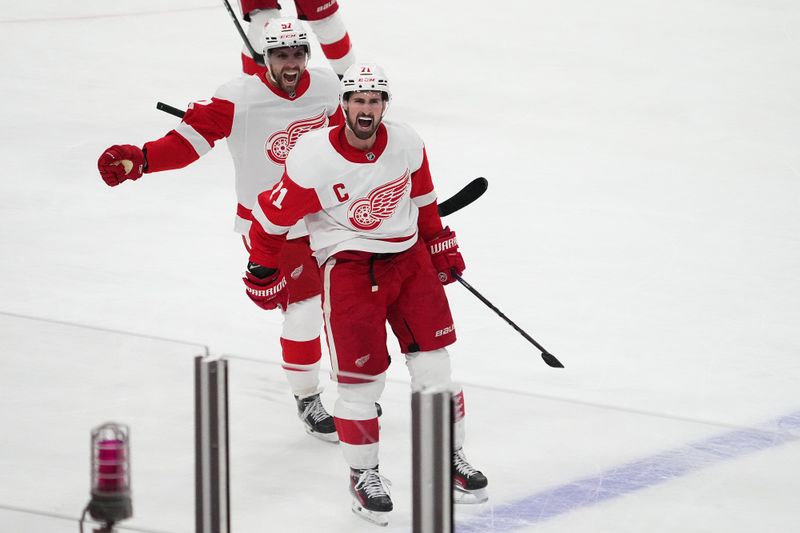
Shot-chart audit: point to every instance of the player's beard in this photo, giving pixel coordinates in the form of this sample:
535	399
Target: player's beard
364	133
288	86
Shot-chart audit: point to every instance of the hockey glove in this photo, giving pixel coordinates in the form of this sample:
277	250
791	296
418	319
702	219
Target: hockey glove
445	255
121	162
266	287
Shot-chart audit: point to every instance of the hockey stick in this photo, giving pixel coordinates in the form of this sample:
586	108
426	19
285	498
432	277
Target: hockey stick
468	194
258	58
549	358
166	108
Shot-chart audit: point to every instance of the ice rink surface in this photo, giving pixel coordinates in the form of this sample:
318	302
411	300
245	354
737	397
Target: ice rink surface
641	222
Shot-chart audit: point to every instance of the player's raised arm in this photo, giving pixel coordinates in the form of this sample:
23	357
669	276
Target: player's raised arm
203	124
322	15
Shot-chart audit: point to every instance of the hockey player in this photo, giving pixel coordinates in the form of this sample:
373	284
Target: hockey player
365	191
322	15
261	116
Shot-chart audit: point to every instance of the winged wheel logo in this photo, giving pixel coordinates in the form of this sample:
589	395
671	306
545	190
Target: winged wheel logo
280	143
380	204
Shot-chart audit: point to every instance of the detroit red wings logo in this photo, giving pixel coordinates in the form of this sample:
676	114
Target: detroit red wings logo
380	204
280	143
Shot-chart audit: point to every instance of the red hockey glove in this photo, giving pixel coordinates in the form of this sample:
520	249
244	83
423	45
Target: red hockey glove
267	292
445	255
121	162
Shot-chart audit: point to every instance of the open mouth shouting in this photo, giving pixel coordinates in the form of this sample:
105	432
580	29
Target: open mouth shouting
365	122
365	125
288	79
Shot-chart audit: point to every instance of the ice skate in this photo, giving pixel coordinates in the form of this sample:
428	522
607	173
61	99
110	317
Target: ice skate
371	500
469	484
316	419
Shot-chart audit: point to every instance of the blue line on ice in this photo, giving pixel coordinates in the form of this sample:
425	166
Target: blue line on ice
632	477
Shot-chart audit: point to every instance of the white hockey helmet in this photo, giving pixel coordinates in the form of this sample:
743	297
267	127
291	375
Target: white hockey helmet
365	77
283	32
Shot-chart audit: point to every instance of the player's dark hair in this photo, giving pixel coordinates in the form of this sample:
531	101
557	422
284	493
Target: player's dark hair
346	96
308	51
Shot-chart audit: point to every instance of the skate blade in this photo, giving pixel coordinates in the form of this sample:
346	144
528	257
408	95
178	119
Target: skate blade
327	437
470	497
379	519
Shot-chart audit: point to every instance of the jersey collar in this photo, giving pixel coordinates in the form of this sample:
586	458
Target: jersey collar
354	155
302	86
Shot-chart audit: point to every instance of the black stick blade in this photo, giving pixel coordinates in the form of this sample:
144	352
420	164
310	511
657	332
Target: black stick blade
551	360
471	192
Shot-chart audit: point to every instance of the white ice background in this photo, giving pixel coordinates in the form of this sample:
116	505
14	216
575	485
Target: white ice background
642	222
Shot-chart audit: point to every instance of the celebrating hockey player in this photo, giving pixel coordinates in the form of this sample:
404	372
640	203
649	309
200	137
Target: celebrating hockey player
322	15
261	116
365	191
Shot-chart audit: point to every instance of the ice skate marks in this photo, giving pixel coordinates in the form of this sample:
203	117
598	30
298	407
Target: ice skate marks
634	476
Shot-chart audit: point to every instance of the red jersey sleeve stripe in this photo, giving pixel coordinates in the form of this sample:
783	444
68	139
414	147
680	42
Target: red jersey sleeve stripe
429	222
421	181
287	203
275	212
212	119
258	214
169	152
202	125
264	247
243	212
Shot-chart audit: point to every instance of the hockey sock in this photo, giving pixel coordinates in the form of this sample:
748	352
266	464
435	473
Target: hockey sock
301	365
335	42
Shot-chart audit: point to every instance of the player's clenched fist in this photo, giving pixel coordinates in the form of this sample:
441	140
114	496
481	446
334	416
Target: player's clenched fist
266	287
121	162
445	255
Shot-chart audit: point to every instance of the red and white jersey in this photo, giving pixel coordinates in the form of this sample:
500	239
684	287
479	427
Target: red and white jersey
261	123
351	199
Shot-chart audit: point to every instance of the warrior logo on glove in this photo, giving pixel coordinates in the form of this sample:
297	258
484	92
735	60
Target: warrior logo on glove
269	292
440	247
445	256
